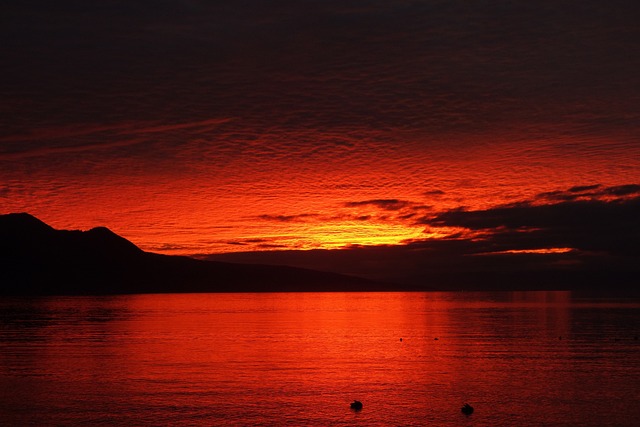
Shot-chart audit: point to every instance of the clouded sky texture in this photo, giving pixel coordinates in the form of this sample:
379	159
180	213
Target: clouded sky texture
194	127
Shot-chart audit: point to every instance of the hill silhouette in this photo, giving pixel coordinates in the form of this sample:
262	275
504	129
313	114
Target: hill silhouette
36	259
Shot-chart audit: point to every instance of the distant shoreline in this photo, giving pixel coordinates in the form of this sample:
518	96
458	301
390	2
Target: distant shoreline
36	259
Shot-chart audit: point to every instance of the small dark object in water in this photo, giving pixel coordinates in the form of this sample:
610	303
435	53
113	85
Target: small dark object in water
467	409
435	339
356	404
400	339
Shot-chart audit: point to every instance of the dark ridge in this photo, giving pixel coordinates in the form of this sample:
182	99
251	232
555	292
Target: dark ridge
23	223
36	259
103	239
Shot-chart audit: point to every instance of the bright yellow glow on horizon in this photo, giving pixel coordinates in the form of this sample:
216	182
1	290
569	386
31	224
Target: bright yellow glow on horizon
336	235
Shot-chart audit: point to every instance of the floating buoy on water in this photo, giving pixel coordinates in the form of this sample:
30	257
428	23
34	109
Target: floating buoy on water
467	409
356	404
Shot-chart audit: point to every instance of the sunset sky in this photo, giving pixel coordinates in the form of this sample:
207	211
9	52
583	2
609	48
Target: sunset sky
200	127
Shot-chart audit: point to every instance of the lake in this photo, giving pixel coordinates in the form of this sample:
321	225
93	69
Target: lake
300	359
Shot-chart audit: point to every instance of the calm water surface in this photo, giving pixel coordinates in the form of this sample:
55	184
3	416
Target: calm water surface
521	359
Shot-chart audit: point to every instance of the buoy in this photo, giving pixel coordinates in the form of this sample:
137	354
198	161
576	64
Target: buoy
467	409
356	404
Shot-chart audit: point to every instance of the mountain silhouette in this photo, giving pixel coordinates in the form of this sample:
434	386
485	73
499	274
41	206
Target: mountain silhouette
36	259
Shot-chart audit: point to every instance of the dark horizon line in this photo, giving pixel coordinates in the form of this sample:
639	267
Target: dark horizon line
35	255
